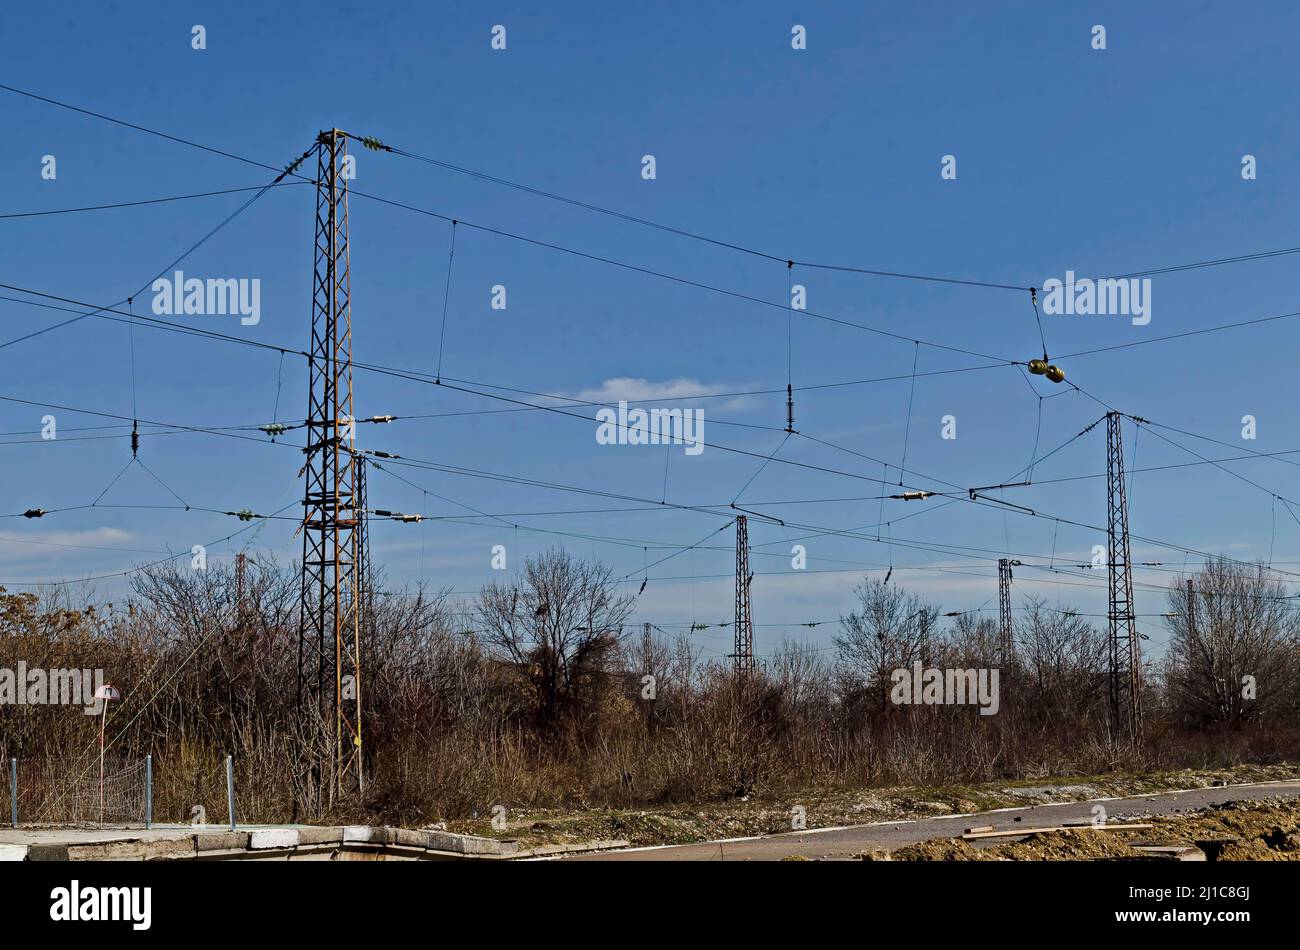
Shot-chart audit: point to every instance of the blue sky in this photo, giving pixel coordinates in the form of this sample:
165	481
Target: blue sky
1068	158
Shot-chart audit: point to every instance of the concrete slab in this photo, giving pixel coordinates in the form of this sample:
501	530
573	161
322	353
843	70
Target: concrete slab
365	834
258	843
320	836
273	838
221	841
131	849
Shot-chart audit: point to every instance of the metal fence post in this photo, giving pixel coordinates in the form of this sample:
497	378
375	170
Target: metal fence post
148	791
13	790
230	788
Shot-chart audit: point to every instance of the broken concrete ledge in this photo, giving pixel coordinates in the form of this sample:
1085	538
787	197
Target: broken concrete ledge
351	842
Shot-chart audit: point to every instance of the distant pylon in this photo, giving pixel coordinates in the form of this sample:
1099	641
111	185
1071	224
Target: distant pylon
1125	652
1006	636
744	654
329	652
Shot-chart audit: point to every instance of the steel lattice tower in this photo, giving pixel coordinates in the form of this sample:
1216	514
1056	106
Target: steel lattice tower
744	654
1006	637
329	649
1124	649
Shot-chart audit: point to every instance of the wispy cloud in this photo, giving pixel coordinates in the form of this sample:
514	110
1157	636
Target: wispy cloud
681	389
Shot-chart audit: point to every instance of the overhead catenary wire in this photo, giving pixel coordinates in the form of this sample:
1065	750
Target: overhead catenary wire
215	335
1212	262
112	313
551	407
145	286
875	272
911	397
365	366
141	203
531	407
446	297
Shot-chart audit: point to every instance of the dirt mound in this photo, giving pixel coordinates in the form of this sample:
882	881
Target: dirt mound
1066	845
1072	845
943	849
1266	830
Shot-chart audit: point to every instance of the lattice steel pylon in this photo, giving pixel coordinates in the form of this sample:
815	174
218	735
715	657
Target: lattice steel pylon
744	654
1125	651
329	646
1006	635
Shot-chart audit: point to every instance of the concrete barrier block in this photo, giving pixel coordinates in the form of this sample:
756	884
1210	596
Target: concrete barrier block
320	836
13	852
265	838
468	844
365	834
490	845
221	841
411	839
131	849
444	841
47	852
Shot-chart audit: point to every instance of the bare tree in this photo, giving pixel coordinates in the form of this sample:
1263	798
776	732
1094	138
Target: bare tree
972	641
1231	655
561	625
1062	661
890	630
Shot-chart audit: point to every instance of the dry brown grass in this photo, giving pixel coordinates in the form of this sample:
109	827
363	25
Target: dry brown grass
453	726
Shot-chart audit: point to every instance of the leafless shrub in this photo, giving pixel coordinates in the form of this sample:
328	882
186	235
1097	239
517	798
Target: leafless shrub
532	693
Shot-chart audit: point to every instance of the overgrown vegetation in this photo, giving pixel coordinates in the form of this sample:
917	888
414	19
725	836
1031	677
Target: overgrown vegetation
533	695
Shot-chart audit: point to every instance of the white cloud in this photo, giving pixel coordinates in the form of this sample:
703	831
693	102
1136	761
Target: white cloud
686	390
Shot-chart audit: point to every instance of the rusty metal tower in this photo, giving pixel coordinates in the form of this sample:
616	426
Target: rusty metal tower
744	654
329	647
1006	636
1125	651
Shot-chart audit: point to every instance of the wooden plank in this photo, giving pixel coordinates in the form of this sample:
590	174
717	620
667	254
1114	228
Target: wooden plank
1015	832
